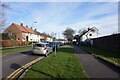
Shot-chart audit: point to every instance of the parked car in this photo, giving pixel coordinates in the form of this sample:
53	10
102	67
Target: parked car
57	44
53	45
61	43
42	48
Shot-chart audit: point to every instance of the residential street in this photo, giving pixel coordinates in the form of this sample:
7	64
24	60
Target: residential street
11	62
96	68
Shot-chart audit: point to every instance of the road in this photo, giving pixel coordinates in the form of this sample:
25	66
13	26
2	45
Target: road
12	62
95	67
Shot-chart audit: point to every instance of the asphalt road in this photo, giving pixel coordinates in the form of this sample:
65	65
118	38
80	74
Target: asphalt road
12	62
97	68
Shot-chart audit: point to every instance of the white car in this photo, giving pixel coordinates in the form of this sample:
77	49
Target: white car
42	48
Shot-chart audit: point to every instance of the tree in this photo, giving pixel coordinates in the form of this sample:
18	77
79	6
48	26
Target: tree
2	14
68	33
7	36
53	34
77	37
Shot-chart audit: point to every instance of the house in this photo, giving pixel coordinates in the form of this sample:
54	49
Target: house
61	40
22	33
45	37
49	38
37	36
89	34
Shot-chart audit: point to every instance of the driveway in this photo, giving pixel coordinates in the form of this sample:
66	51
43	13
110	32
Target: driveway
96	68
12	62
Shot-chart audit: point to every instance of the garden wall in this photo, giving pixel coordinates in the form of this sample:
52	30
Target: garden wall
12	43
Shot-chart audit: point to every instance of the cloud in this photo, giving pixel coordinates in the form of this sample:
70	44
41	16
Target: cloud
56	17
61	1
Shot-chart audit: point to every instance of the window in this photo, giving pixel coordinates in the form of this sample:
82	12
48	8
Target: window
39	45
48	45
90	34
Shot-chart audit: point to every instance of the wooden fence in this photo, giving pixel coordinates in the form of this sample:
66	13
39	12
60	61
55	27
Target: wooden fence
111	43
12	43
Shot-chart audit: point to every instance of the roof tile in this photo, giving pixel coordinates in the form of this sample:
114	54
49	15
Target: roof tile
23	28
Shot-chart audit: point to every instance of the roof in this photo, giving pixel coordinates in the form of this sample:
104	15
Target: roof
27	29
38	33
60	40
44	34
23	28
19	27
89	29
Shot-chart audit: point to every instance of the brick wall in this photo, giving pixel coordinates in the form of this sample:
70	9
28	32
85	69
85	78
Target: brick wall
111	43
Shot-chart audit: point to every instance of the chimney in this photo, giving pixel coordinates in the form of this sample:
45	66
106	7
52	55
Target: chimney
35	29
26	25
21	24
31	27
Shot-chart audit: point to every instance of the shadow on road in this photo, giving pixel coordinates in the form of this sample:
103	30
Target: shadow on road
15	66
27	52
30	53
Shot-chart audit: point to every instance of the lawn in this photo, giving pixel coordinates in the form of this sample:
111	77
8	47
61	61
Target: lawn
112	57
62	65
15	50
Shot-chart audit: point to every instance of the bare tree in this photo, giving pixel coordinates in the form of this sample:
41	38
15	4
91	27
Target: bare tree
2	14
53	34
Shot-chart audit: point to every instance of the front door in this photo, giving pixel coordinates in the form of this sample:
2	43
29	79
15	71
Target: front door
26	38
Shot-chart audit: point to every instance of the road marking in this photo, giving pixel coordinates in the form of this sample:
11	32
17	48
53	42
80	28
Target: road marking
19	70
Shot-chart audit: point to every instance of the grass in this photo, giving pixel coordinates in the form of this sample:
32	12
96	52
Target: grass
62	65
112	57
14	50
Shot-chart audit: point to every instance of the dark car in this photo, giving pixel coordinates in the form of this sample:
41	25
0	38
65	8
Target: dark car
53	45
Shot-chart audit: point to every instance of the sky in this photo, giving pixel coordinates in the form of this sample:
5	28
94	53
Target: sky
57	16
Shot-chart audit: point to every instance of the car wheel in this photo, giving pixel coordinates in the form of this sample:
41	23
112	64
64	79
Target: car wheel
45	55
32	53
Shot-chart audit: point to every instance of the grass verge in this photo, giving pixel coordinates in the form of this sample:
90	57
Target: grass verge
14	50
62	65
107	55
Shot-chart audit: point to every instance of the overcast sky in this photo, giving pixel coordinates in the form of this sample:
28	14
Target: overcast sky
57	16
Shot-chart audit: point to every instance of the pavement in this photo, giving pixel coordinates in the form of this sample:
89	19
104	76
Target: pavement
95	67
12	62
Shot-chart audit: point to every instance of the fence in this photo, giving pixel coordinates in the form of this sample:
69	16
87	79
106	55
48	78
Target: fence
12	43
111	43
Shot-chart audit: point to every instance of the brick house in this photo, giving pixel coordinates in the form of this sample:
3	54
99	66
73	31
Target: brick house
22	33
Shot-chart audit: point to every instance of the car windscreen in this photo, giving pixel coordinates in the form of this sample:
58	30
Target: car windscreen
39	45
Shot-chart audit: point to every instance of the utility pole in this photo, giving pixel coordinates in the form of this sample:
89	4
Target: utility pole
55	44
32	35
